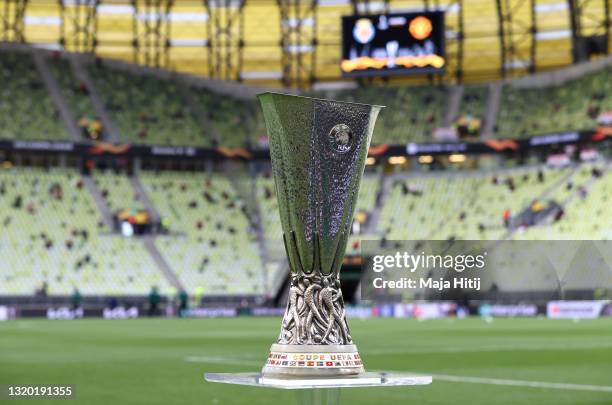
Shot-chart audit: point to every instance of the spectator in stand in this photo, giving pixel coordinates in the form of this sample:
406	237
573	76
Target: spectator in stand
506	216
76	299
596	173
537	206
17	202
90	128
559	215
95	128
183	303
268	193
154	300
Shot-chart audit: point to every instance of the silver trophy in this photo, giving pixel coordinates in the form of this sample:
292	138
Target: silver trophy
318	149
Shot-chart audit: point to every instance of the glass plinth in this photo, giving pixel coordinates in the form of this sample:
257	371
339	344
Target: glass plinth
368	379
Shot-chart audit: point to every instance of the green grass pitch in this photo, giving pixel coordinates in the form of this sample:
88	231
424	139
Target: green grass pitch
161	361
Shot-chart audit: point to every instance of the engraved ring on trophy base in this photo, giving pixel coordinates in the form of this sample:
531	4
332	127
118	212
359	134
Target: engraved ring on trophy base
313	360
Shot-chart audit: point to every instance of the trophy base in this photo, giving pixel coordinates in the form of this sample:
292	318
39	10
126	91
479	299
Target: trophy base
320	390
374	379
313	360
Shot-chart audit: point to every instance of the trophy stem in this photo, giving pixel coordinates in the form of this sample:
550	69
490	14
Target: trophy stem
314	337
315	313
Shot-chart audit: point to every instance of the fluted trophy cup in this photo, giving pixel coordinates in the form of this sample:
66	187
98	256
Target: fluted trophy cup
318	149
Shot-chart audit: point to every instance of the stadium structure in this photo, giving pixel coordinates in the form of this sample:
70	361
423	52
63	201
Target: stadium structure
135	176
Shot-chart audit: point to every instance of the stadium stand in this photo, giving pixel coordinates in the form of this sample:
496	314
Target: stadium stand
368	190
573	105
427	200
472	109
147	109
51	233
237	122
465	206
117	191
76	95
266	194
412	114
586	213
209	233
26	110
150	110
473	101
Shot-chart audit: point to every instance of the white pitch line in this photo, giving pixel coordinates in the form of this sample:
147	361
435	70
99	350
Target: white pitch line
438	377
224	360
493	348
522	383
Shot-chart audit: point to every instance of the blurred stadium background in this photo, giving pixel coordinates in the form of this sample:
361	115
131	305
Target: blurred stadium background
135	181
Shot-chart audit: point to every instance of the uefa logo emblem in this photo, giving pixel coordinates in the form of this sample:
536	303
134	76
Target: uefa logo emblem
341	138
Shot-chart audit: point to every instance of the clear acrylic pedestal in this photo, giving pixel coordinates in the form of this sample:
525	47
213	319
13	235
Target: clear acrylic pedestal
320	390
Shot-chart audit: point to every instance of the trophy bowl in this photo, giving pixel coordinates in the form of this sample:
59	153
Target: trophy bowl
318	149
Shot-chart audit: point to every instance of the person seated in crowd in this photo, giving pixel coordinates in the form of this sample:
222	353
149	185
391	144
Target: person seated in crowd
506	217
90	128
537	206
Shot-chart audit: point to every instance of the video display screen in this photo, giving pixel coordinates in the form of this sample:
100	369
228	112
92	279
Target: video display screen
389	44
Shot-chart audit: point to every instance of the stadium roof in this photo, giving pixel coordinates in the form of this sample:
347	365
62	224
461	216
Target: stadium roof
233	39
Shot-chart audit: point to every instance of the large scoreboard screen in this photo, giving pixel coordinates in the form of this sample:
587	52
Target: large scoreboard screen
386	44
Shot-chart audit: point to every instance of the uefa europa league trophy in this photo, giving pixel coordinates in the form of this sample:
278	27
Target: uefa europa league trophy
318	149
